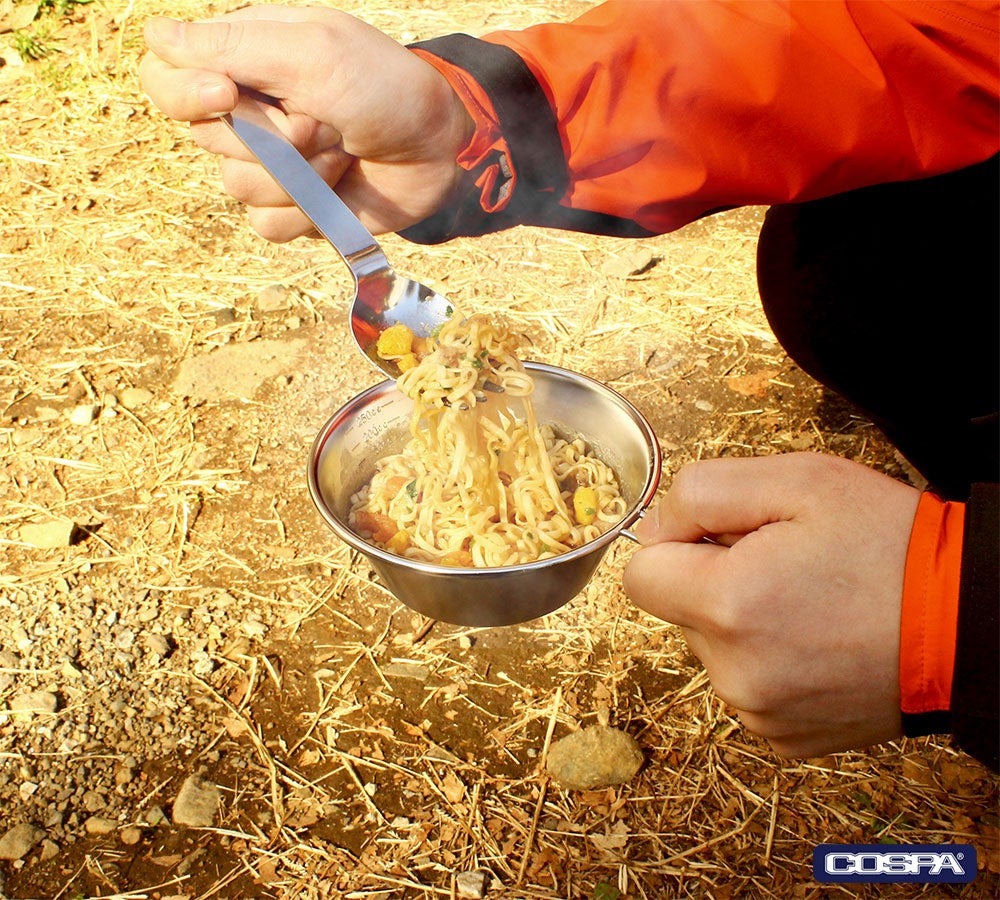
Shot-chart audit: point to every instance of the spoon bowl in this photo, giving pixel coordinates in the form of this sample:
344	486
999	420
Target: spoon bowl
382	298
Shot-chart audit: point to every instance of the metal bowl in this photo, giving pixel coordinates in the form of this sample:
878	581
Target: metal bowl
376	423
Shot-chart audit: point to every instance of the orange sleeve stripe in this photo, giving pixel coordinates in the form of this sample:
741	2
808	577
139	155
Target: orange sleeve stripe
929	624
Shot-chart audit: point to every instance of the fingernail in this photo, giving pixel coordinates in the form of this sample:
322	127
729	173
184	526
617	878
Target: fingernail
216	97
162	30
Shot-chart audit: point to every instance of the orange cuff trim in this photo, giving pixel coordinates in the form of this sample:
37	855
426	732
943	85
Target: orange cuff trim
929	622
486	155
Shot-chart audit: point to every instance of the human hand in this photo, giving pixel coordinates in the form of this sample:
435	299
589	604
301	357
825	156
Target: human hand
795	612
371	117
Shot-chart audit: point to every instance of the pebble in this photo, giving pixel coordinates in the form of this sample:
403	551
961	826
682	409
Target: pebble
99	825
472	885
155	816
274	297
595	757
93	801
70	672
131	835
196	803
157	644
224	316
402	669
190	861
48	535
33	703
85	413
134	397
125	639
18	841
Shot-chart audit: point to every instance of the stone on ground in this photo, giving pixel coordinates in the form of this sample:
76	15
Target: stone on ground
197	803
18	841
595	757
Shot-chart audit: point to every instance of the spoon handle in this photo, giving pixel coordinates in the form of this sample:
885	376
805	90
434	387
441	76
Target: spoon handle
331	216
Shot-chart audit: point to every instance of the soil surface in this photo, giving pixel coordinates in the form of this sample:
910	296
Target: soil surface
174	612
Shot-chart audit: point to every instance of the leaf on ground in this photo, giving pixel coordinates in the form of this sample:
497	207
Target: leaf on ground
605	891
755	385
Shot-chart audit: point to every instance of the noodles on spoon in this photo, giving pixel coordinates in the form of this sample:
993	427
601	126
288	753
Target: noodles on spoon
480	482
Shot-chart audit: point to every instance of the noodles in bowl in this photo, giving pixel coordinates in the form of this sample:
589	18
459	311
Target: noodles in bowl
376	425
480	483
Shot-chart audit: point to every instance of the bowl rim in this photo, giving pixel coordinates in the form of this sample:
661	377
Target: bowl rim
359	401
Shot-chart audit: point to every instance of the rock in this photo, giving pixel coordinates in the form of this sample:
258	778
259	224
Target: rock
85	413
595	757
472	885
47	535
10	661
273	298
155	816
134	397
224	316
33	703
17	18
131	835
254	629
70	672
49	850
99	825
18	841
403	669
157	644
196	803
125	639
190	861
93	801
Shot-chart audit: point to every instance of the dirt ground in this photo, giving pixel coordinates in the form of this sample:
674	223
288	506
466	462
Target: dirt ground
162	376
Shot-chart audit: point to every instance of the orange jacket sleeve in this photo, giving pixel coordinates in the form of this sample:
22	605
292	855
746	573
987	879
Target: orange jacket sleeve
644	115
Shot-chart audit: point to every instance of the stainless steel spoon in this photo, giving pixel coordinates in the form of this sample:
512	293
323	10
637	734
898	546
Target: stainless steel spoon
382	298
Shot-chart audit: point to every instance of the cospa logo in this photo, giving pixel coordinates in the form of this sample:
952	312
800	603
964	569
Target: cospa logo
895	863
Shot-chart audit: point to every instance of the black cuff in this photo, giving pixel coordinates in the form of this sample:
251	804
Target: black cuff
531	132
919	724
975	694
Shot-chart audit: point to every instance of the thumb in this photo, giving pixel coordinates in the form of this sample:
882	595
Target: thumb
230	46
208	59
183	89
725	498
